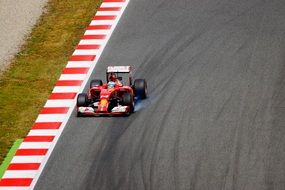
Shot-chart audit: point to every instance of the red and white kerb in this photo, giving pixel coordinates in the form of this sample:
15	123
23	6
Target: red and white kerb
32	155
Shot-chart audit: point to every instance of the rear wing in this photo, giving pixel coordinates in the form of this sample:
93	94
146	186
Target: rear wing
118	69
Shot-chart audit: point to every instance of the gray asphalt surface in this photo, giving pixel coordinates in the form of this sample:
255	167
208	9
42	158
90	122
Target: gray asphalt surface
215	118
17	17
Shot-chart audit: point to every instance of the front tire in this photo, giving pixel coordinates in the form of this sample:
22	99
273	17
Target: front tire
128	100
82	100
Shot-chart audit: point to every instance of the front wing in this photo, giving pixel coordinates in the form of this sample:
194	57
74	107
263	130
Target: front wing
90	111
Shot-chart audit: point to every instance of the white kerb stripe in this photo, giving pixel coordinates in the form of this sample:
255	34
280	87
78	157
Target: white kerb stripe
51	117
65	89
101	22
72	76
75	64
51	132
95	32
85	52
14	188
20	174
92	42
27	159
41	145
106	4
107	13
59	103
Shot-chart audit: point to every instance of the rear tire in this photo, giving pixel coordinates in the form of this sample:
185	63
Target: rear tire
140	87
96	83
128	100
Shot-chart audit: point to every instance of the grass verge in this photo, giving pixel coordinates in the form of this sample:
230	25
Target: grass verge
9	156
25	86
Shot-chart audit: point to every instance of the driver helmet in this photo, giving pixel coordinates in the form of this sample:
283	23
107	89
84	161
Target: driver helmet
111	84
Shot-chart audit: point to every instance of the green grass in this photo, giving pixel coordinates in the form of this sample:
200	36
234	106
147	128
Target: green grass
26	85
9	156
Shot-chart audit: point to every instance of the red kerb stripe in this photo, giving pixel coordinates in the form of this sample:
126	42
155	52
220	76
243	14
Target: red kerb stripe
31	152
99	27
39	139
54	110
24	166
16	182
69	83
61	96
95	46
109	9
46	125
82	58
93	37
77	70
105	17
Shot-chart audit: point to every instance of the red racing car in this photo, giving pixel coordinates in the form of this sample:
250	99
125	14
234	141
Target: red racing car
116	97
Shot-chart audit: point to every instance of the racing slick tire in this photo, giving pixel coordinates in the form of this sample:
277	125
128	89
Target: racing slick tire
95	82
128	100
140	87
82	100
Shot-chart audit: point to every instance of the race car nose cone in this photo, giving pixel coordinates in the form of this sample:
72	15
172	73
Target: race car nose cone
103	105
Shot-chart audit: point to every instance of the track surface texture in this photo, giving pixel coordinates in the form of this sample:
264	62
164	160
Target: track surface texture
17	17
215	116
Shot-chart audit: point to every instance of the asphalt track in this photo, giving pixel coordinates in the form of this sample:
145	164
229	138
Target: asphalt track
215	118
